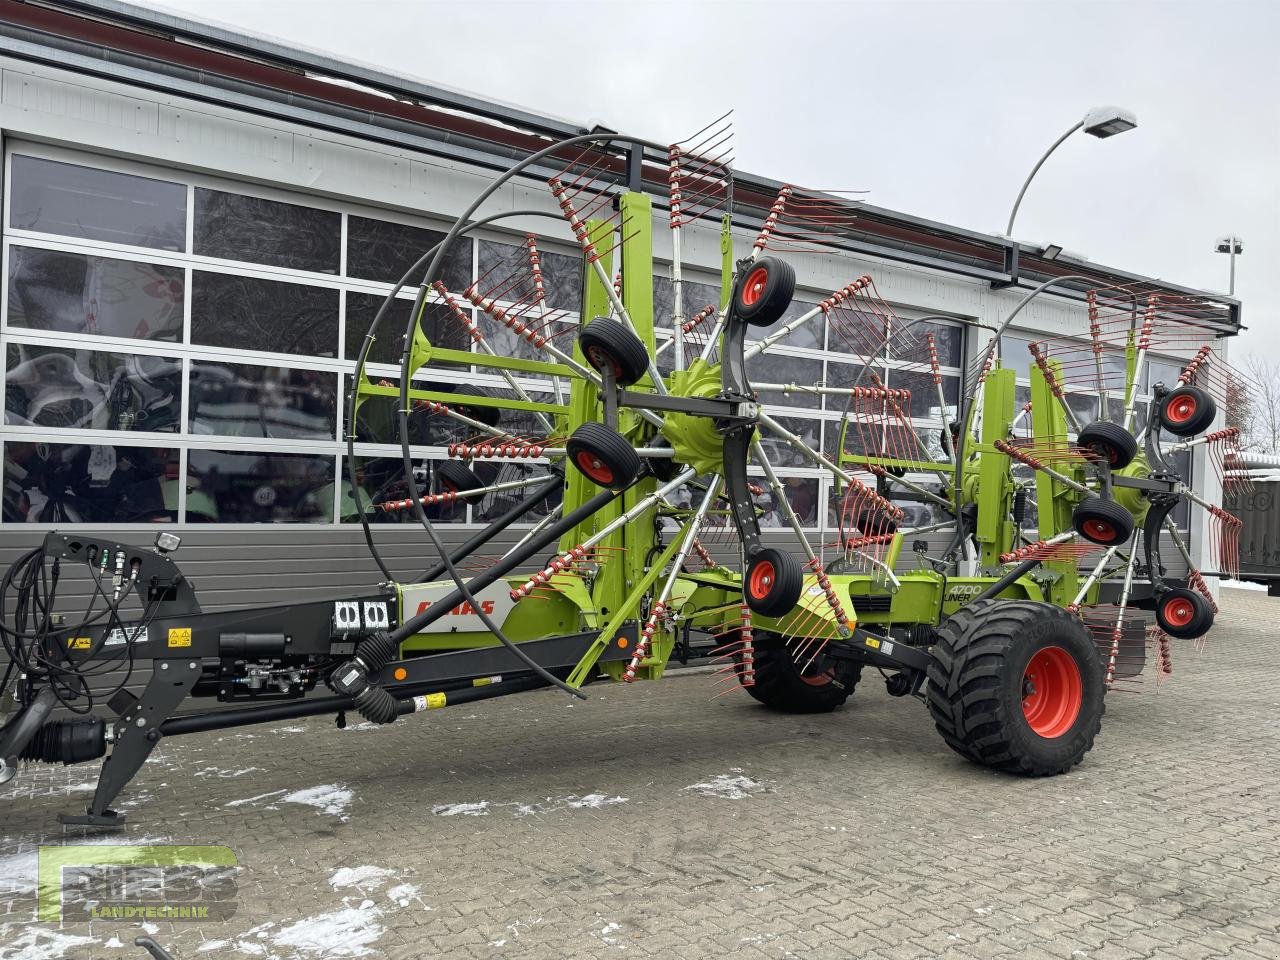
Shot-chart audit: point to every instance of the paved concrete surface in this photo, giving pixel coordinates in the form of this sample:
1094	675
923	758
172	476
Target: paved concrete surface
652	821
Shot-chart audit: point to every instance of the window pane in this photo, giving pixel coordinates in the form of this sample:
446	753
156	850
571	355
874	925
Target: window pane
1015	354
91	389
245	487
76	293
493	505
947	339
381	480
782	369
801	493
924	394
76	483
242	400
501	263
781	453
807	335
440	326
77	201
232	226
381	250
246	312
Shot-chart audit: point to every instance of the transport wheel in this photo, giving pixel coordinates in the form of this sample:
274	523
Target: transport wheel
608	344
603	456
486	415
1110	441
1017	685
771	582
456	478
789	686
1186	411
664	468
765	292
1103	522
1183	613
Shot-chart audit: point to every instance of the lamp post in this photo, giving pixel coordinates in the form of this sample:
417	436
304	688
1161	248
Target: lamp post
1230	244
1100	122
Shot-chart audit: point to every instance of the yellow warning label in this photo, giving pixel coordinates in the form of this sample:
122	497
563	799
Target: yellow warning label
79	643
179	636
873	643
436	700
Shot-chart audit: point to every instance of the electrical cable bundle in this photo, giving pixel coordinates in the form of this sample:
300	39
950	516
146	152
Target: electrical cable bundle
36	641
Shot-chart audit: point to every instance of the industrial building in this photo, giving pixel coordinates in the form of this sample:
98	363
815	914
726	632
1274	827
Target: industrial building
199	225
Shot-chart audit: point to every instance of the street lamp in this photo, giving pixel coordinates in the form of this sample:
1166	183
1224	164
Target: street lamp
1100	122
1230	244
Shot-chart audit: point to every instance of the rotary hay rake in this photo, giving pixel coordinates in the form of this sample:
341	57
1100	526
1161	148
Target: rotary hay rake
641	463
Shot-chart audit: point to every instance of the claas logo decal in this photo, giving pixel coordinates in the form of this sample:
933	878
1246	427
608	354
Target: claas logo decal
463	609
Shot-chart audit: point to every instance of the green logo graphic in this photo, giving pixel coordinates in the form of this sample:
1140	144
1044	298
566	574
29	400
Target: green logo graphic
140	882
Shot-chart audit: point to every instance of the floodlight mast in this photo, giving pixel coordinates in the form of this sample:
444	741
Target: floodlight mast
1100	122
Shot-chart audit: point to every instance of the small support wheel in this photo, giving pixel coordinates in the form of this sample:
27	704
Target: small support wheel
604	456
784	685
771	582
1186	411
608	344
764	293
455	478
1103	522
664	468
1115	445
1183	613
1017	685
489	416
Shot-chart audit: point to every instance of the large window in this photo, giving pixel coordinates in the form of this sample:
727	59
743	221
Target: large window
178	348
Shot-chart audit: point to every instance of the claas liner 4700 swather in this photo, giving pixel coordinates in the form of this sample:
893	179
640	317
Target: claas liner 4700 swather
643	463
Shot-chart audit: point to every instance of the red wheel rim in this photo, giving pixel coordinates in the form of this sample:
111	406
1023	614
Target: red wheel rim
762	579
1052	692
589	464
819	679
1106	452
753	289
599	359
1099	531
1178	612
1182	408
448	486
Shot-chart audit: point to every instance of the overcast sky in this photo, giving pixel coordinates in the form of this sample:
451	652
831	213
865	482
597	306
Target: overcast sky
938	108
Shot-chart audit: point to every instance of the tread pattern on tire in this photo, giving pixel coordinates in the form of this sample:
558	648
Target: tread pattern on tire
971	664
779	687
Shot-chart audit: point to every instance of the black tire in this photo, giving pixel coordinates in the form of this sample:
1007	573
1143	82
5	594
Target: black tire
454	477
489	416
771	582
764	292
1186	411
603	456
664	468
1183	613
875	520
1103	522
606	343
1115	445
780	684
978	693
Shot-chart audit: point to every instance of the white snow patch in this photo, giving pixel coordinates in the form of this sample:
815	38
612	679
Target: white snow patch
332	798
606	932
261	796
497	943
39	943
479	809
402	893
150	929
366	876
114	943
211	945
730	786
592	801
1241	585
19	872
290	729
349	932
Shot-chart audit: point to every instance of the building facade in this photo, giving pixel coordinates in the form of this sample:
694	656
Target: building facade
199	227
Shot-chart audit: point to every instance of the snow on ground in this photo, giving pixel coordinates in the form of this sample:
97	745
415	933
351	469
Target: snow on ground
1241	585
733	785
482	808
478	809
42	943
331	798
366	877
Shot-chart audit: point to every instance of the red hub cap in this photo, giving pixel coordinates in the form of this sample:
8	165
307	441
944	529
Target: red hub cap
1052	692
1099	531
761	580
1178	612
599	359
592	466
1183	408
753	289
